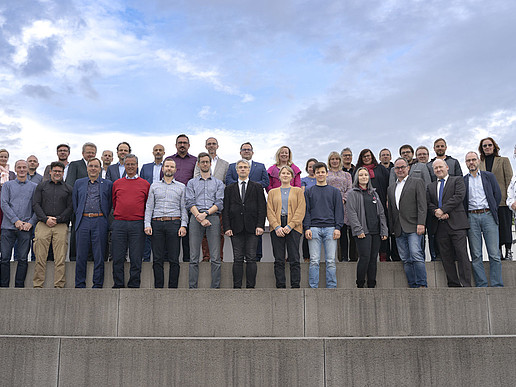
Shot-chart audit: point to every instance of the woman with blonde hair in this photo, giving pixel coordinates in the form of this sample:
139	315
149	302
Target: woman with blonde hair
286	208
283	159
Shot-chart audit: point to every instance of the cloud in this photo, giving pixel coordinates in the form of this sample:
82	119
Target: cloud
38	91
206	112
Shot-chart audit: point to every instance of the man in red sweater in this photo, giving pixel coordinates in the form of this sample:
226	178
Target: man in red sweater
129	198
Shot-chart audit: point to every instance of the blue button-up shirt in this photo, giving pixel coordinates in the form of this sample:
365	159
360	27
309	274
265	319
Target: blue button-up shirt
16	203
166	200
204	193
92	204
477	195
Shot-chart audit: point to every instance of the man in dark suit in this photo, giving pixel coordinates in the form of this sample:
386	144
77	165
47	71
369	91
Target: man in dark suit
117	171
91	200
481	203
407	214
77	170
244	220
257	174
449	223
151	172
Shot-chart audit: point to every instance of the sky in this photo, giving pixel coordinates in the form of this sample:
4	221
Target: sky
317	76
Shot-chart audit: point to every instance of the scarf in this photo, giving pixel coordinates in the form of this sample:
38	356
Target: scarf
370	169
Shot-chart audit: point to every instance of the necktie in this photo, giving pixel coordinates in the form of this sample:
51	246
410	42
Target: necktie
441	189
243	191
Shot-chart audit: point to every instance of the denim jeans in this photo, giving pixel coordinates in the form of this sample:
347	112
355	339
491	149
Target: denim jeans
485	224
127	233
196	233
413	258
322	235
9	237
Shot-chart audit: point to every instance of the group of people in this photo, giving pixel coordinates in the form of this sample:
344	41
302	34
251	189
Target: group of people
358	212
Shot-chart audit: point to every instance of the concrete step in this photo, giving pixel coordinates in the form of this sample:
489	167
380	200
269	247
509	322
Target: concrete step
390	275
258	313
415	361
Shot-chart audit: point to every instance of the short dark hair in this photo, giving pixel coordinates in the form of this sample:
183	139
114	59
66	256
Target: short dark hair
406	146
126	143
384	149
309	161
183	135
59	164
93	159
203	154
246	143
318	165
440	139
63	145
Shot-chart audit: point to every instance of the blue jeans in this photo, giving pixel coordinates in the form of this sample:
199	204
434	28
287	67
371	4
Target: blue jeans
196	233
411	253
127	234
9	237
322	235
485	224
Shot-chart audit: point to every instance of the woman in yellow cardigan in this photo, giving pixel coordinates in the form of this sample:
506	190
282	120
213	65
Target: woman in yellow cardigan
285	211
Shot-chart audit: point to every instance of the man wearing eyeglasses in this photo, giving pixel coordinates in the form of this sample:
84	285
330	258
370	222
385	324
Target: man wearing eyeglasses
416	169
204	199
53	206
407	215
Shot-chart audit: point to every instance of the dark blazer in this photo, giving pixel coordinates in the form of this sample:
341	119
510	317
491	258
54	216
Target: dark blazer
79	198
147	172
257	174
76	170
247	216
491	189
453	197
412	209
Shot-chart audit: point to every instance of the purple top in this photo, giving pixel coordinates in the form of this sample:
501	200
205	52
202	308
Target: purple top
342	181
275	182
184	167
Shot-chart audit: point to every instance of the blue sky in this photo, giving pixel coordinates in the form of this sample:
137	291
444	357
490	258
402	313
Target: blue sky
317	76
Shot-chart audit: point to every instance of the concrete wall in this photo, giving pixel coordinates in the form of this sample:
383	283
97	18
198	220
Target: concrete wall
421	361
257	313
390	275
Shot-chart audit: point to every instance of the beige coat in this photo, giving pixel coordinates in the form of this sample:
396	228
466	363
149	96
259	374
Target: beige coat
503	172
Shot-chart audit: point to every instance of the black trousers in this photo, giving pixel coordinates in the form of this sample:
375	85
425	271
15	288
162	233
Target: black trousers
290	244
505	226
244	248
453	246
368	249
165	242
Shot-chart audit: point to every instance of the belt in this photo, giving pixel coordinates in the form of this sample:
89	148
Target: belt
92	214
165	218
481	211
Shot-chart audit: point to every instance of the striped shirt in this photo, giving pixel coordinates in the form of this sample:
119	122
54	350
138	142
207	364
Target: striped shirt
166	200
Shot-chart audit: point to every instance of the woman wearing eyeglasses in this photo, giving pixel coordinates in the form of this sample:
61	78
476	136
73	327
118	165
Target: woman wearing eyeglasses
491	161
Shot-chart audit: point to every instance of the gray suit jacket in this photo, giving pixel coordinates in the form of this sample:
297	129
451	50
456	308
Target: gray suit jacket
413	208
221	169
76	170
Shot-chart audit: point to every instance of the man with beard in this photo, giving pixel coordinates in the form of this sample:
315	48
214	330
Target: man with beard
440	147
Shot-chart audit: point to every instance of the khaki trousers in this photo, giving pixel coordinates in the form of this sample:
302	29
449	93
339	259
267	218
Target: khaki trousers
43	235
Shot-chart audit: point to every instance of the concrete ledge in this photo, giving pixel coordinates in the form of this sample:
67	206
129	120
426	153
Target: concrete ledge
416	361
191	362
211	313
29	361
390	275
66	312
258	312
454	361
396	312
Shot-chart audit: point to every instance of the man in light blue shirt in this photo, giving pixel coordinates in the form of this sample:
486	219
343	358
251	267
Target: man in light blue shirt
204	199
481	203
18	221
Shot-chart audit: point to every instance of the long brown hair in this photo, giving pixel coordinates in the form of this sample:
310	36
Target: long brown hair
496	149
